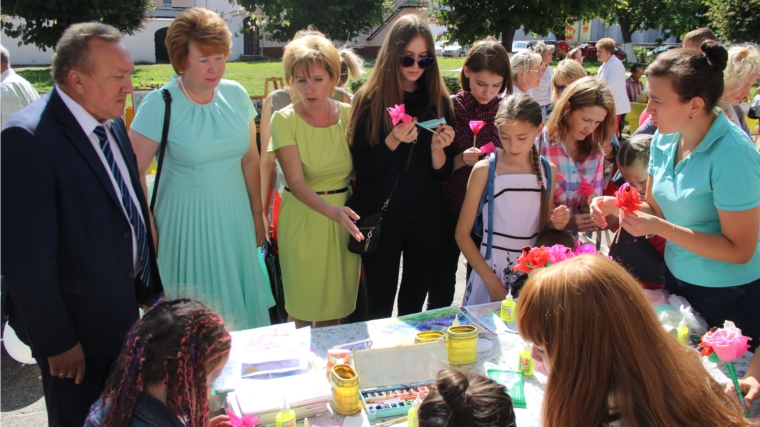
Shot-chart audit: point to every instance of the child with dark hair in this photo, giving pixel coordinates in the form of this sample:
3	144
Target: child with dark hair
522	203
163	375
486	73
459	400
551	236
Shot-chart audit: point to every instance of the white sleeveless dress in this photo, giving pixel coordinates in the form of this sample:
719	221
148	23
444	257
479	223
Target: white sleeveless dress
517	203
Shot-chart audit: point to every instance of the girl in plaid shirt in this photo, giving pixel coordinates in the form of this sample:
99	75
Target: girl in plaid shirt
580	127
485	74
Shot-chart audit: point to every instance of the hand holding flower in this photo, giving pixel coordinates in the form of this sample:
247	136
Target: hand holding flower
398	114
627	199
475	127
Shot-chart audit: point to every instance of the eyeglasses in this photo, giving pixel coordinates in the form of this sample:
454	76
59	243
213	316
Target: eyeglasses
424	63
534	71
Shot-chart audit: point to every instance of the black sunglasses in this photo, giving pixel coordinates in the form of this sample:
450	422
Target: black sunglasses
424	63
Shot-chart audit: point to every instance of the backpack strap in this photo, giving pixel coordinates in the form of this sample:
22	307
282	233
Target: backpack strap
490	197
548	173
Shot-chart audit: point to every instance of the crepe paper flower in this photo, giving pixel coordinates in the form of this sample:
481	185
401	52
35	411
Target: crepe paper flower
531	259
587	249
398	114
729	344
432	124
488	148
559	253
244	421
585	189
476	126
627	199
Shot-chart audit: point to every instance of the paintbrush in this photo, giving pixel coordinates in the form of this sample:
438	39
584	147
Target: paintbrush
391	422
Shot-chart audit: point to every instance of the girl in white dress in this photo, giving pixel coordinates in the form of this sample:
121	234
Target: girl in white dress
522	203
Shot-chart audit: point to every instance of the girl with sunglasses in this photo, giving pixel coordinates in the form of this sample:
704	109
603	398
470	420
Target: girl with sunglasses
485	74
404	162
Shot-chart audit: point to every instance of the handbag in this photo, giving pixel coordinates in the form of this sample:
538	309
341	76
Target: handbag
370	226
164	142
277	313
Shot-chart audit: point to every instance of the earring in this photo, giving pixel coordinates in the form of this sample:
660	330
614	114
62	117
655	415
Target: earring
691	117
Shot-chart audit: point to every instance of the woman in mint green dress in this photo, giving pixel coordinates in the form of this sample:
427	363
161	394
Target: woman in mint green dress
208	210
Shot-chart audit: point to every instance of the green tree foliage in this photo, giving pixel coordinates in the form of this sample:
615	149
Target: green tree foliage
678	17
634	15
337	19
468	20
736	20
43	21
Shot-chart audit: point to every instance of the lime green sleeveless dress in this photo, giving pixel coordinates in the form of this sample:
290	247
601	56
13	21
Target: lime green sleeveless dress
207	241
320	276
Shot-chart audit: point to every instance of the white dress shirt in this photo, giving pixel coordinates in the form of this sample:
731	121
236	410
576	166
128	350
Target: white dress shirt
612	72
16	93
543	93
88	124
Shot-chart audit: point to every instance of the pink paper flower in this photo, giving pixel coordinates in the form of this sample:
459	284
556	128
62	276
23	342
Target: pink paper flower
244	421
476	126
585	188
559	253
627	199
727	342
488	148
398	114
586	250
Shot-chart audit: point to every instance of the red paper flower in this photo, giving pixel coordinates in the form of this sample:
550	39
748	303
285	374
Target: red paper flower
627	199
398	114
488	148
585	189
476	126
531	259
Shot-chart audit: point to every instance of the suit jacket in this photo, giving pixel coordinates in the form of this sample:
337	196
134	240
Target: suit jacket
66	241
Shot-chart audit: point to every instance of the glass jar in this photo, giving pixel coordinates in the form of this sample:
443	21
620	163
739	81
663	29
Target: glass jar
345	390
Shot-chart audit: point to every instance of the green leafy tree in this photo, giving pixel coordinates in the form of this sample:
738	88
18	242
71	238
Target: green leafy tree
678	17
736	20
468	21
337	19
634	15
43	21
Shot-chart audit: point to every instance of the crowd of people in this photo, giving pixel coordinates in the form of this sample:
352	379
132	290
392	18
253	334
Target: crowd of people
348	191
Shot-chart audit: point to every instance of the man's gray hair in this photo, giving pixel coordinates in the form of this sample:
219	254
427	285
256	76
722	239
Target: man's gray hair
5	57
73	49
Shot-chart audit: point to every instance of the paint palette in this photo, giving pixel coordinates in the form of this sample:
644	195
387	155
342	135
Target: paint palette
393	401
391	378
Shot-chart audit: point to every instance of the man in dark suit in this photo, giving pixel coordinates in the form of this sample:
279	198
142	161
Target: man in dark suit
77	255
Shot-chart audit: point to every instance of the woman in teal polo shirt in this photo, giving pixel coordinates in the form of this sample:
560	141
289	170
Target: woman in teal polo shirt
703	191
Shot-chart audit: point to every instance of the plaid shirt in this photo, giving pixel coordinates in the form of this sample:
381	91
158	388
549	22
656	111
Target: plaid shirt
633	89
467	108
570	174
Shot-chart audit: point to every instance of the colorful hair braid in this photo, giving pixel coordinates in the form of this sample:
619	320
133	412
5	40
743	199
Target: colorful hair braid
174	345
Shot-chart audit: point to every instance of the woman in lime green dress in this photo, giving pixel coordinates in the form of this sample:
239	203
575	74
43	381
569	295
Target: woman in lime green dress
320	277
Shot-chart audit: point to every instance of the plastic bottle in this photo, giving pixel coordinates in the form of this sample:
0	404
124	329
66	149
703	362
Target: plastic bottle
286	417
412	418
456	321
683	331
526	363
508	308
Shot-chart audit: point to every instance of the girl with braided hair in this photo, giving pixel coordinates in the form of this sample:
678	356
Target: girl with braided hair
522	202
471	400
163	376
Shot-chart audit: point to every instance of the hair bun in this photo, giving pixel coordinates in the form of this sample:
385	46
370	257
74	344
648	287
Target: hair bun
454	389
716	54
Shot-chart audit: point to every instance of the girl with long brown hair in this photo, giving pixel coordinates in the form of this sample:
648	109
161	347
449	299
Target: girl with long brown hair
582	123
485	75
410	160
522	203
608	360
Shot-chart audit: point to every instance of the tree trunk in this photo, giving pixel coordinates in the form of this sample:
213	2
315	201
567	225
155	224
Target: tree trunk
624	22
559	33
507	37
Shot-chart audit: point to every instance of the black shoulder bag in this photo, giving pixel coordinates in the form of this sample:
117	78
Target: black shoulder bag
164	142
370	226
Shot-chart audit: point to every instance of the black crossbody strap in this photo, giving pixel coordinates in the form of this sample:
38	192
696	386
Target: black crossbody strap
164	143
398	177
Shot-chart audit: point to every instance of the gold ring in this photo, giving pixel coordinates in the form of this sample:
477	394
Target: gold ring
61	375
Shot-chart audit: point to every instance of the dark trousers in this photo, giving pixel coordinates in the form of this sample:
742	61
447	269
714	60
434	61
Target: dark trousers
441	292
421	243
68	403
740	304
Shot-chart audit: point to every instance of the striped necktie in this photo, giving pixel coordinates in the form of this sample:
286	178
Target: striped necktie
129	206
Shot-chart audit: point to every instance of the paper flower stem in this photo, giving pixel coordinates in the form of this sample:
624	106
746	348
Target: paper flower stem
732	372
423	127
474	140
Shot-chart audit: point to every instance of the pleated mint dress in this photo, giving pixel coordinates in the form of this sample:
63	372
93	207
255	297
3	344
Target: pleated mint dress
207	241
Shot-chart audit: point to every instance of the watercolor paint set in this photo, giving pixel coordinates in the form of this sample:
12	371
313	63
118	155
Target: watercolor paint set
395	400
390	378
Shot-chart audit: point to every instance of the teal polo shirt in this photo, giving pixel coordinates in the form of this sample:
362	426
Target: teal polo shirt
723	172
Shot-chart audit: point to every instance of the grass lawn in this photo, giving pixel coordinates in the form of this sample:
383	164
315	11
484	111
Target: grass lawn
250	74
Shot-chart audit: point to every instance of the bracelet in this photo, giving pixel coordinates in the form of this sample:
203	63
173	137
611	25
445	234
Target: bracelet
673	230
